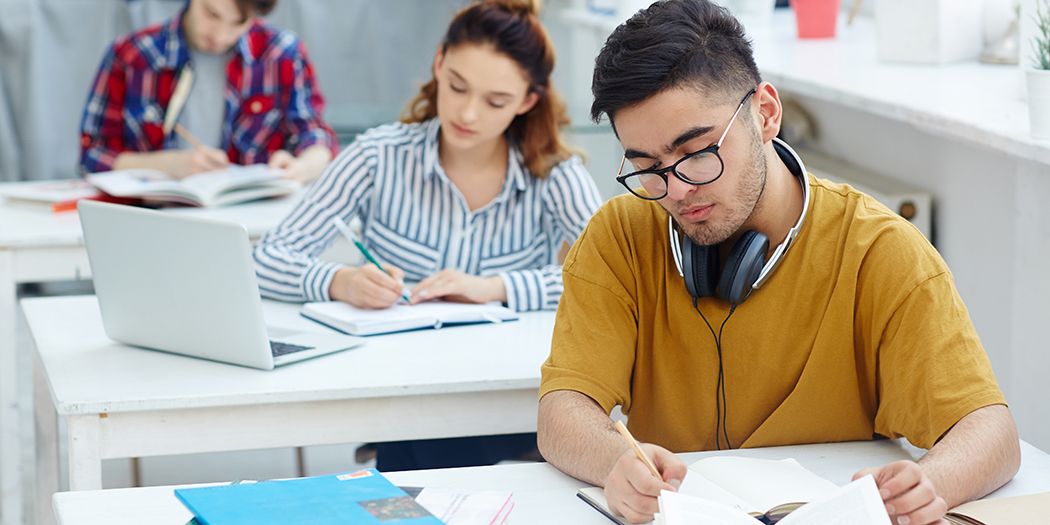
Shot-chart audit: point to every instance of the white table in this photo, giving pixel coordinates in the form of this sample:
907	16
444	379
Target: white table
40	246
121	401
542	494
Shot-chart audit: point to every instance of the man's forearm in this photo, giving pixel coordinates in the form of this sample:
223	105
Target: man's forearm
978	455
576	436
168	161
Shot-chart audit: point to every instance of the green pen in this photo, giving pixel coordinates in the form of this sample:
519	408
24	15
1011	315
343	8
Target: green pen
345	230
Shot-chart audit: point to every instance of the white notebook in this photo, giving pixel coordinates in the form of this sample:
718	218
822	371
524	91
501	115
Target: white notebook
401	317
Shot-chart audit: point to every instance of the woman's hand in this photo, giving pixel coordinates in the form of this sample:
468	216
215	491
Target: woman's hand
367	286
452	285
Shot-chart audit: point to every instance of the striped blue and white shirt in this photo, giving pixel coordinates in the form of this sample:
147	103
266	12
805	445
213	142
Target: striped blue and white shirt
415	218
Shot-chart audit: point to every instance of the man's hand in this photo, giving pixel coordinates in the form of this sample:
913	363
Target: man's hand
630	488
293	168
909	495
367	286
459	287
204	158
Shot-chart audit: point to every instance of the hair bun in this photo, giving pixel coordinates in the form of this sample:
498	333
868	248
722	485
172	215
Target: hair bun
526	7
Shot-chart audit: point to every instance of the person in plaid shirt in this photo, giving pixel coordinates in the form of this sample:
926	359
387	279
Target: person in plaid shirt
252	97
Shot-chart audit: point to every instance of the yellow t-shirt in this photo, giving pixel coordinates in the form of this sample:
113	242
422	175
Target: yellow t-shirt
860	331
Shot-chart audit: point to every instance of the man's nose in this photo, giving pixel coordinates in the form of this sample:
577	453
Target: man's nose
677	189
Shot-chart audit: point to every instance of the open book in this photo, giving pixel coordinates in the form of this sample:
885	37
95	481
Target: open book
401	317
750	486
210	189
858	503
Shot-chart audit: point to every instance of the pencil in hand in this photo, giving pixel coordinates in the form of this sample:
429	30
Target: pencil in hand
184	133
638	450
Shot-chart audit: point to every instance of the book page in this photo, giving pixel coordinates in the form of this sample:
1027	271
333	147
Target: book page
764	483
135	183
858	503
208	185
682	509
1006	511
466	507
698	486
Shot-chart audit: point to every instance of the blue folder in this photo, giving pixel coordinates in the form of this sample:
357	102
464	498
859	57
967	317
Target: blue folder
352	498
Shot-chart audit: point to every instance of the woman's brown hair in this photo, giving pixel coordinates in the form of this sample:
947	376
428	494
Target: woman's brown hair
513	29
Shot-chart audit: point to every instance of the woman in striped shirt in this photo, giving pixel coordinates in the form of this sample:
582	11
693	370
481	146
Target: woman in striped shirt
472	195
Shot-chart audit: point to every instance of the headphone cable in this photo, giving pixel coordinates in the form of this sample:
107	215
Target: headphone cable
720	388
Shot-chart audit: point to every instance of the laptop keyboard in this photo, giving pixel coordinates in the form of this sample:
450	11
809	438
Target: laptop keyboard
280	349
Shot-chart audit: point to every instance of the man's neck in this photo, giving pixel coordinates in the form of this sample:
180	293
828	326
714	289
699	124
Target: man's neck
780	205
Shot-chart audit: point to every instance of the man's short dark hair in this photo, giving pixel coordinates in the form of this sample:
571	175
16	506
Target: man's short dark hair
251	8
673	43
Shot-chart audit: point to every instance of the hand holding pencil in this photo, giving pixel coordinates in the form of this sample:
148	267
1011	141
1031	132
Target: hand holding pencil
371	285
638	476
202	158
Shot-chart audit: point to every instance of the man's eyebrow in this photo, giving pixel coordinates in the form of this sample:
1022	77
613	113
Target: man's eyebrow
689	134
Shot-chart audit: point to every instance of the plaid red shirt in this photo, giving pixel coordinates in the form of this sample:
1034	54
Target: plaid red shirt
272	99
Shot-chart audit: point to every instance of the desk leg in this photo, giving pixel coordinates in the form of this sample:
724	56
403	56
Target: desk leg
85	455
10	449
47	475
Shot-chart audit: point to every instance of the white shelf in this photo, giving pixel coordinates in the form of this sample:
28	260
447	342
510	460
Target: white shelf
973	102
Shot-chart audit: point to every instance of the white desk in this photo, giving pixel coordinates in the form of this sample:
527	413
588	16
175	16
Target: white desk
40	246
121	401
542	494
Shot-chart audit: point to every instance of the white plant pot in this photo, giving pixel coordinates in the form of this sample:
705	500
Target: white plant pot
1039	102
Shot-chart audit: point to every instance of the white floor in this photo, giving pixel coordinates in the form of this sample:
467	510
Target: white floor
167	470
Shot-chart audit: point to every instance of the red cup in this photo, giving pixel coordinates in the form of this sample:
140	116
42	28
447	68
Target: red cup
816	18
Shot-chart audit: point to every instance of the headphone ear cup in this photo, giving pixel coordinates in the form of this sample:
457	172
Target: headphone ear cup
700	266
743	267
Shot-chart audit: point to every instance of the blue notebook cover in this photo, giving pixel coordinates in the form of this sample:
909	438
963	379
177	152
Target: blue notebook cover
353	498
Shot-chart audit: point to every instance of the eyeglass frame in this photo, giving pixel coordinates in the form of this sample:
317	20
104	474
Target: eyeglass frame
662	172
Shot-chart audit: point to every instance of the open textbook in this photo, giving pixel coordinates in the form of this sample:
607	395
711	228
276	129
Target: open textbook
210	189
749	485
858	503
401	317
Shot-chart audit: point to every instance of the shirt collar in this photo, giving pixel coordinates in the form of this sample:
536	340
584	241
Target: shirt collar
173	37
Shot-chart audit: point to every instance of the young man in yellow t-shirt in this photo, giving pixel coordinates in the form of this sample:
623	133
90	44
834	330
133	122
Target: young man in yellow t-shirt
735	301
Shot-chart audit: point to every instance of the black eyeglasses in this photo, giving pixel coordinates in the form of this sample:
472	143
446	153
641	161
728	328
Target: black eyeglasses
697	168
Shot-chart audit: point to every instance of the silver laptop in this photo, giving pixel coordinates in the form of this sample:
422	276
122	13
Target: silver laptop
187	285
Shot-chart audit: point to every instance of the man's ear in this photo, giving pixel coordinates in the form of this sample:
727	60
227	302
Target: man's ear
769	110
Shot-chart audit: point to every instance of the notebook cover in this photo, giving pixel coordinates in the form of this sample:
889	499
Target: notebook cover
361	497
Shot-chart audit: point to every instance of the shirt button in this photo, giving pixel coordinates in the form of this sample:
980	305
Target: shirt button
256	106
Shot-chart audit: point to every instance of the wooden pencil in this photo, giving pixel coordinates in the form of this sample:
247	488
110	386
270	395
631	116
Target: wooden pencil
638	450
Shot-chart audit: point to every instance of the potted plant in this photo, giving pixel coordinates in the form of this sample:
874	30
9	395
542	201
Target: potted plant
1038	75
